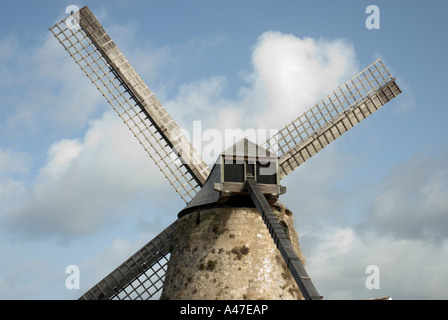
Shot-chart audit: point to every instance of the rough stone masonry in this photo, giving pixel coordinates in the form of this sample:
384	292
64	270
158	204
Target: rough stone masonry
227	253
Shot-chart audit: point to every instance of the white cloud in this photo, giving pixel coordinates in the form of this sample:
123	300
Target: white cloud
14	166
87	184
289	75
12	162
293	73
341	274
106	261
82	178
413	202
9	48
66	97
397	223
200	101
19	279
339	242
60	155
54	93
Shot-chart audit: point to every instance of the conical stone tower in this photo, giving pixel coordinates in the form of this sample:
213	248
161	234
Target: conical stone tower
222	248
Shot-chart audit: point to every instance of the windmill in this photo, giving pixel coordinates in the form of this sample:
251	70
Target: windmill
245	175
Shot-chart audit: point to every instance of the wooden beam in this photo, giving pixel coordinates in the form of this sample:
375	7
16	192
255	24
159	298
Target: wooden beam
282	242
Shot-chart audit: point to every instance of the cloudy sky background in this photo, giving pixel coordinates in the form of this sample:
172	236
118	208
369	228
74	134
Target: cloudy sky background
76	188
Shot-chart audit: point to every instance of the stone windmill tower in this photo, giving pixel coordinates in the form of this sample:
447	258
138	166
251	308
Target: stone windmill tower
234	239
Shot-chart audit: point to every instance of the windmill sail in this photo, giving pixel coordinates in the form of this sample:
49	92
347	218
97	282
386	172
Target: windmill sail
348	105
93	50
141	276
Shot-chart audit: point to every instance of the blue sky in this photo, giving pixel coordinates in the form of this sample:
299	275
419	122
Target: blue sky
76	189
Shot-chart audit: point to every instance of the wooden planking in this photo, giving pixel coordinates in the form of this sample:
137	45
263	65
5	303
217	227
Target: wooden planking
300	153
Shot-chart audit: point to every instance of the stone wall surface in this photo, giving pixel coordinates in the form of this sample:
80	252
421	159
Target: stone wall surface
228	253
